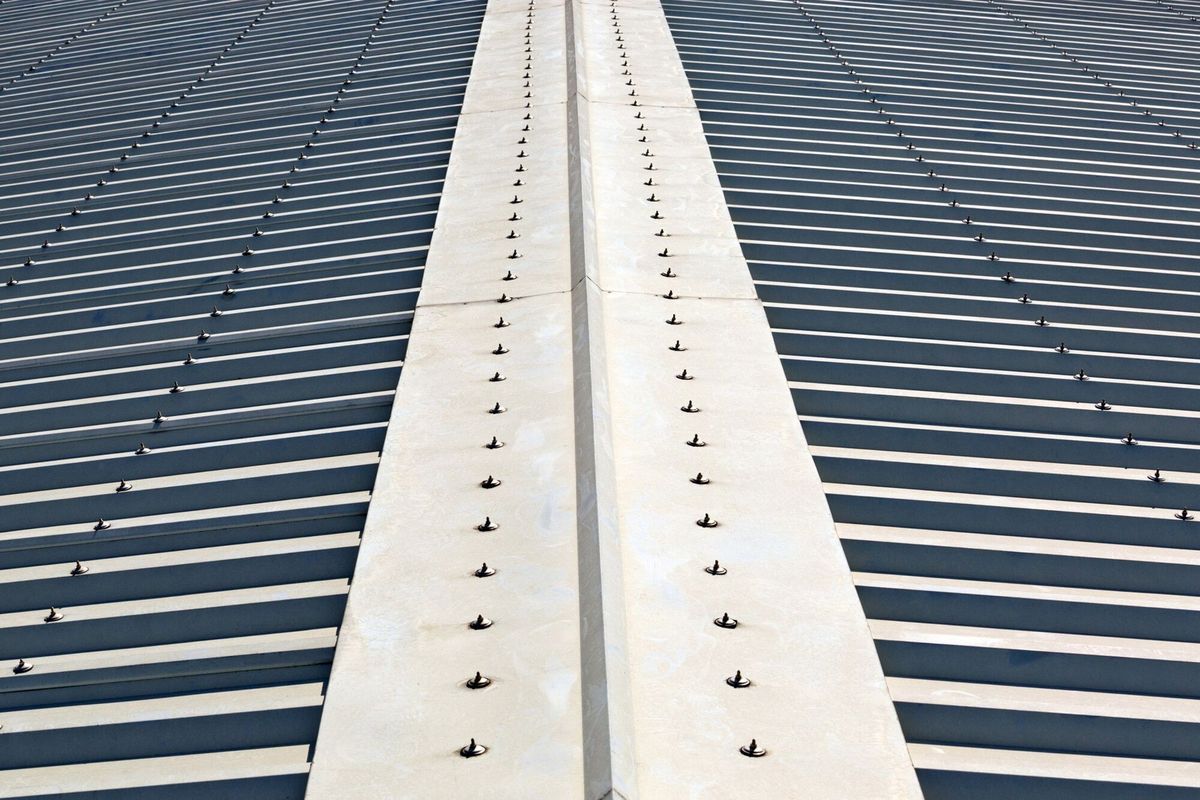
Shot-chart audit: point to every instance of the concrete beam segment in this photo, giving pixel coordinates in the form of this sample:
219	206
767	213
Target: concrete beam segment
399	708
665	248
609	674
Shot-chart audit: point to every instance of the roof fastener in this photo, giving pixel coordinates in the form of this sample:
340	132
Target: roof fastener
479	623
22	667
487	525
124	487
78	569
674	321
1081	376
716	569
737	681
509	276
1128	439
1157	477
471	750
11	281
677	347
478	682
657	215
497	409
494	444
203	335
725	621
699	479
499	350
54	616
159	418
1103	406
484	571
175	388
500	324
1024	298
707	522
1062	348
101	525
216	312
496	378
1184	515
670	295
1007	277
489	483
696	441
689	408
504	298
189	359
752	750
683	376
1041	322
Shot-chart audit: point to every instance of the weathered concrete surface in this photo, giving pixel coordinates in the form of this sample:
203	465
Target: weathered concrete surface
609	672
398	710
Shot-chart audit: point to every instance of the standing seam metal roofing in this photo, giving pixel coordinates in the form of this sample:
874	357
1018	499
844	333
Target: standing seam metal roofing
1032	595
255	185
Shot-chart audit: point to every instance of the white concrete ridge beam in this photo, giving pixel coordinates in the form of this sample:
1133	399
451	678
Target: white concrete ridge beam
665	249
608	670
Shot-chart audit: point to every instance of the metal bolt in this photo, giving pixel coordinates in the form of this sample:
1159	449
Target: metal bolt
159	418
471	750
1024	299
737	681
175	388
504	299
670	295
1062	348
707	522
1007	277
668	273
1103	406
22	667
1081	375
1128	439
101	525
124	487
478	682
752	750
1041	322
1184	515
683	376
494	444
484	571
203	335
699	479
1156	477
674	321
78	569
725	621
216	312
657	215
689	408
677	347
479	623
490	483
497	409
487	525
497	378
716	569
696	441
54	616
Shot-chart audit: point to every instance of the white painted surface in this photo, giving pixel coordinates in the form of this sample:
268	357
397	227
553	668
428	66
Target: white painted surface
609	672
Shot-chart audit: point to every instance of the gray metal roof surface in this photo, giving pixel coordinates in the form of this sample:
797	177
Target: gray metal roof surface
1032	594
246	192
